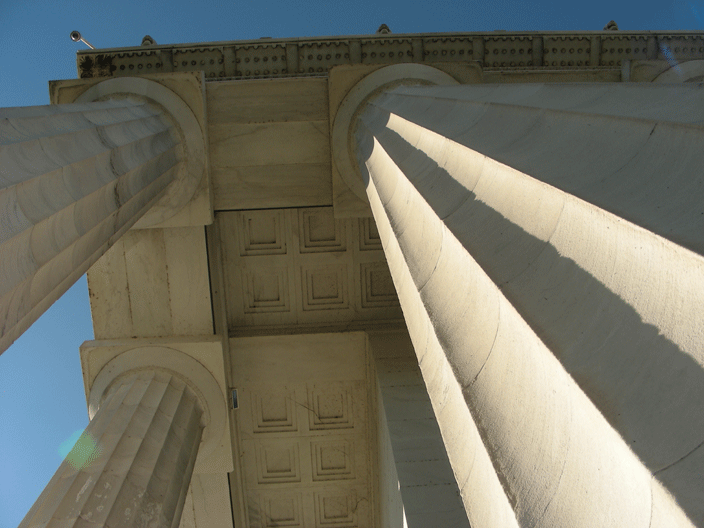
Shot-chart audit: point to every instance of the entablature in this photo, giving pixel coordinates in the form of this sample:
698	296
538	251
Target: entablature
315	56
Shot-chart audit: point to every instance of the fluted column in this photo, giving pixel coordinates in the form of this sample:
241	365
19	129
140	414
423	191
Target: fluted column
133	464
546	244
73	178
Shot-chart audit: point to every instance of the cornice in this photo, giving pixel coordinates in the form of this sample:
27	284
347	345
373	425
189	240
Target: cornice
498	50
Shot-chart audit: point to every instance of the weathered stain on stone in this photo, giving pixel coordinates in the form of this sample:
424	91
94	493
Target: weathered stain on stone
100	65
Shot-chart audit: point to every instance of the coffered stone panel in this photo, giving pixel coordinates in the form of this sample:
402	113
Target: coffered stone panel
303	268
325	288
333	459
368	235
279	509
277	461
273	412
262	233
307	449
331	406
266	291
377	287
335	509
319	231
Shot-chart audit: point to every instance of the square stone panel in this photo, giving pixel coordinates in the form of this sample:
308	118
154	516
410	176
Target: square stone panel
336	508
268	510
266	290
377	286
369	239
304	414
278	461
319	230
262	233
273	412
333	408
333	459
284	511
325	288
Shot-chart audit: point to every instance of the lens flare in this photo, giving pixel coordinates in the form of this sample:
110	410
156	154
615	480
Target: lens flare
670	58
79	449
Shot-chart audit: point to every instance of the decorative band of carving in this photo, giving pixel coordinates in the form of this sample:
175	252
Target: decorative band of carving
311	57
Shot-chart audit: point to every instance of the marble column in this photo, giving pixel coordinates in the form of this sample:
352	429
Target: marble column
133	464
546	244
73	178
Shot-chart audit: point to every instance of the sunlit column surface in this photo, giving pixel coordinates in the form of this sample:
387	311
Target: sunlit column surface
134	462
546	244
73	178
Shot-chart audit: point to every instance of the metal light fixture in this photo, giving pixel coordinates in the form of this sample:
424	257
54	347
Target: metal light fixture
76	37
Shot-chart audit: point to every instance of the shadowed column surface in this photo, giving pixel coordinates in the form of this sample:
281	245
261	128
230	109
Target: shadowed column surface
546	245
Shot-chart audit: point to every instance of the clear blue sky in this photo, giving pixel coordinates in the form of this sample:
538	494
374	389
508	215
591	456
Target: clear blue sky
42	403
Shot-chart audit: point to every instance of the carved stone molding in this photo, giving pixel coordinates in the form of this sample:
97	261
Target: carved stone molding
316	56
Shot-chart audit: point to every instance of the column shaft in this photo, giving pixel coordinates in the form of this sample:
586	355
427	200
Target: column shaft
133	464
555	318
73	178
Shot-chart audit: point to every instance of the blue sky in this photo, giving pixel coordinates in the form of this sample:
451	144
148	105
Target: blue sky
42	403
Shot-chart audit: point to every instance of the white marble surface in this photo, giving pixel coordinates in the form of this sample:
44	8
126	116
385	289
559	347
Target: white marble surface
73	180
545	292
148	432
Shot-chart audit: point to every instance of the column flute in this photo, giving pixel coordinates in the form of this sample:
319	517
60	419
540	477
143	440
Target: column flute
73	179
545	243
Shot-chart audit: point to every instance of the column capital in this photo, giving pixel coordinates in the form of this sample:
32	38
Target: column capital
371	86
198	362
181	96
